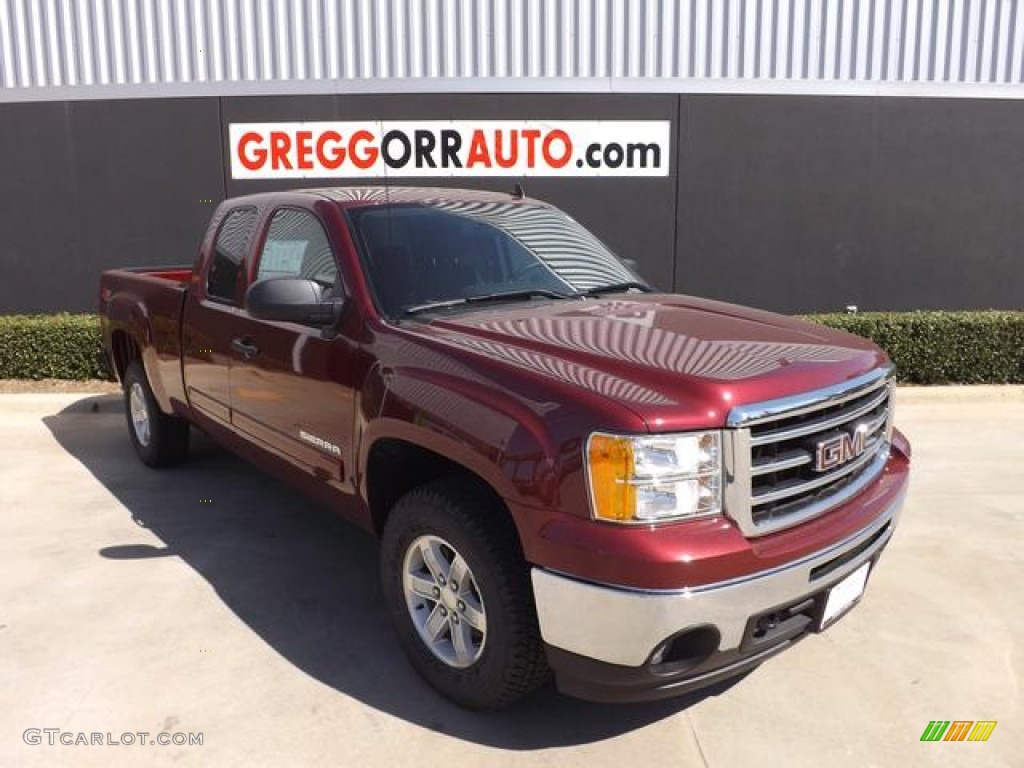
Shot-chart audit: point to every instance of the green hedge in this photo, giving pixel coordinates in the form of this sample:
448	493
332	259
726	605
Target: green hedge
50	347
943	347
927	347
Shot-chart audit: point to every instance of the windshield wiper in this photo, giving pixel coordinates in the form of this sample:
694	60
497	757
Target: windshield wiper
617	288
530	293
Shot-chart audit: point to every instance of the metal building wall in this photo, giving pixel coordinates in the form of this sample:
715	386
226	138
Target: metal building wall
58	49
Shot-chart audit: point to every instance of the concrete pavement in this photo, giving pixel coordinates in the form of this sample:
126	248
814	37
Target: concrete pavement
211	599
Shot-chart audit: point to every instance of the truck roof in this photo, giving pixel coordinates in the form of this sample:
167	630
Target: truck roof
351	197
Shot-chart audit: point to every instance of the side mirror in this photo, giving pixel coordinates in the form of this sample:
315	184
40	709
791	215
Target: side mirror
292	300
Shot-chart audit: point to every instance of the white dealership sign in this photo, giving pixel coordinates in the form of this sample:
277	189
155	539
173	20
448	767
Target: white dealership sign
466	148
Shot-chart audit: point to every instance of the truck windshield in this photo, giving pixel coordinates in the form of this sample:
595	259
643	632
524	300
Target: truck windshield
448	254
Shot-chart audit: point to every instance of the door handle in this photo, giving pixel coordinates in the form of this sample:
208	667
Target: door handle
245	348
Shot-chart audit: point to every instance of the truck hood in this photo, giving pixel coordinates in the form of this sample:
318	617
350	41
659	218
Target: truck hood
677	362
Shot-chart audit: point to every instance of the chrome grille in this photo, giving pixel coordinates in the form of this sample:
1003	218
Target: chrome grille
774	482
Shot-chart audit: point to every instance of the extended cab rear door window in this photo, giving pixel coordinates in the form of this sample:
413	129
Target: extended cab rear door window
297	246
229	251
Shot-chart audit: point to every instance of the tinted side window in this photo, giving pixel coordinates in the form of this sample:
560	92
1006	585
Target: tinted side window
229	251
297	246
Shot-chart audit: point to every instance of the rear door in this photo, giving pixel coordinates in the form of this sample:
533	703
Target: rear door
213	315
292	390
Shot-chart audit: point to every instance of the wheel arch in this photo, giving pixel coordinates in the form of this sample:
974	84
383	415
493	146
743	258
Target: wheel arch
396	465
123	350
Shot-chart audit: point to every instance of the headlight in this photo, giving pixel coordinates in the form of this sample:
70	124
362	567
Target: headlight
655	477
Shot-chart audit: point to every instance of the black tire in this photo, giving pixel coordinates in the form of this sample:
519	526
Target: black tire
511	662
166	441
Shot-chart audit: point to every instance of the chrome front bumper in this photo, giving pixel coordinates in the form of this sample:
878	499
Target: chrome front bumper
624	627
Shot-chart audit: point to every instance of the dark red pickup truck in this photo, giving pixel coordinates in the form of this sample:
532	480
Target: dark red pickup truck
645	493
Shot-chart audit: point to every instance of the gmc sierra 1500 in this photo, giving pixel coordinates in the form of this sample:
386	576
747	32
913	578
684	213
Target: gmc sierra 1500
645	493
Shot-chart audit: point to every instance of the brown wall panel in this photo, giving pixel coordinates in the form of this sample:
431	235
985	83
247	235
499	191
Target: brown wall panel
785	202
91	185
813	203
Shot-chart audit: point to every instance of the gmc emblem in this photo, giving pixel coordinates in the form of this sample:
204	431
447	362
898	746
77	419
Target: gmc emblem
840	448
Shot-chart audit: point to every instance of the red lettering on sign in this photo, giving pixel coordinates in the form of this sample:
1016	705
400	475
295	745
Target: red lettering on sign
252	159
478	152
509	160
336	156
304	150
557	135
531	135
280	145
368	156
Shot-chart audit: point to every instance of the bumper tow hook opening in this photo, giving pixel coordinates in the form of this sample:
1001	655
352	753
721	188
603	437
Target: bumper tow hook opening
766	624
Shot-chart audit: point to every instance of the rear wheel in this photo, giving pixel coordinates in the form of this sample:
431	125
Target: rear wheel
459	595
159	440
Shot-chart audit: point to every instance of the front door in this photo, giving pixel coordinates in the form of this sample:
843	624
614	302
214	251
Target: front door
291	388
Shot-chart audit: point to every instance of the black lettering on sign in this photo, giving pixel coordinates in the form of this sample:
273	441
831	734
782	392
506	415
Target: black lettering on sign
424	149
390	159
451	143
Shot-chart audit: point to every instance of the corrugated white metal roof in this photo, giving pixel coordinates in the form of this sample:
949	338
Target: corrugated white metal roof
91	48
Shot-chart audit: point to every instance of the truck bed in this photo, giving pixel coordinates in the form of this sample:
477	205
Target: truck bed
142	307
173	274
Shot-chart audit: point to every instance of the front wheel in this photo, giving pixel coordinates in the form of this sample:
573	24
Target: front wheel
459	595
159	440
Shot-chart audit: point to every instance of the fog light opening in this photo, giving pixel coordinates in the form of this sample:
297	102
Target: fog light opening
684	651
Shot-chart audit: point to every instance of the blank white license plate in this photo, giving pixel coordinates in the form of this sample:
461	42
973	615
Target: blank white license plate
844	594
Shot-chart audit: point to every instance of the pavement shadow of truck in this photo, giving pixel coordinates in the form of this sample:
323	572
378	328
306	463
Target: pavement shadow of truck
306	582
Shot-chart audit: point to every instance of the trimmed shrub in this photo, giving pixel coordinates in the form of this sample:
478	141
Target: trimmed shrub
943	347
51	347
